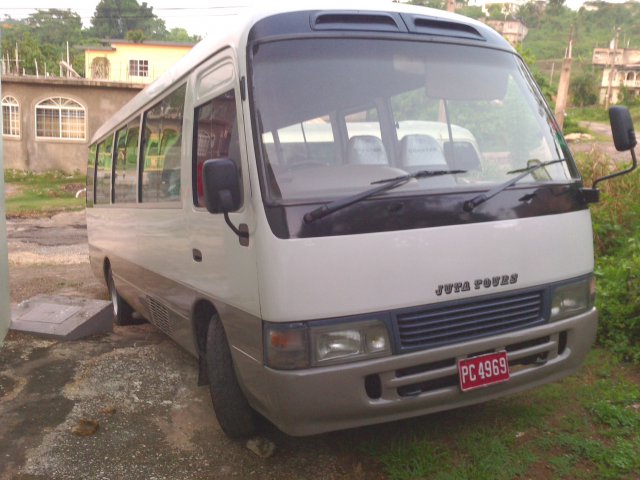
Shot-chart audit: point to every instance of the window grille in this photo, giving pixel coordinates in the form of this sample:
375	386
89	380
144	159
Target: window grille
10	117
60	118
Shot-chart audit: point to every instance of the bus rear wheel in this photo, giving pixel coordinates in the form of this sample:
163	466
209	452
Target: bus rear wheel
235	416
122	311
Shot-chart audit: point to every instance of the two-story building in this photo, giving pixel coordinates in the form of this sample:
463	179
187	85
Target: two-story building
513	31
130	62
621	69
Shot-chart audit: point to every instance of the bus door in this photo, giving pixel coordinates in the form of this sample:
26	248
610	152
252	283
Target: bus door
224	264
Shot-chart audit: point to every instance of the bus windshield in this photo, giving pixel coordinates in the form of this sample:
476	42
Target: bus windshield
336	115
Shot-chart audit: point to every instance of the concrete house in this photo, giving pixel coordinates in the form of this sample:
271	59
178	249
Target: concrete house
48	121
513	31
621	69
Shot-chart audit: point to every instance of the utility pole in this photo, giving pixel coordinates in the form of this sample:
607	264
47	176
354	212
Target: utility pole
5	311
563	86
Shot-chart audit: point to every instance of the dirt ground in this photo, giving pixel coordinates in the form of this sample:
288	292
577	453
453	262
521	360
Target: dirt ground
50	255
136	384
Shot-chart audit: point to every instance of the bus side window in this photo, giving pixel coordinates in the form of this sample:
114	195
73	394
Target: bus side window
125	168
91	175
215	136
103	174
162	149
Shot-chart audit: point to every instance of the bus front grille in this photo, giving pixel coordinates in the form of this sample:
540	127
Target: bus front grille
462	321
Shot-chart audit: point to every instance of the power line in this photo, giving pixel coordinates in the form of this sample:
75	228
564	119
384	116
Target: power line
153	8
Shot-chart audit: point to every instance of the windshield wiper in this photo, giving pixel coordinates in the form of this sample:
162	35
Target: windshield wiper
383	186
469	205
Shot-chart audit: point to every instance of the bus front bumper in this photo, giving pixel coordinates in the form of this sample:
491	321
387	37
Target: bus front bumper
312	401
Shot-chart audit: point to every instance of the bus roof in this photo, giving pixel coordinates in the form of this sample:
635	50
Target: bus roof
233	31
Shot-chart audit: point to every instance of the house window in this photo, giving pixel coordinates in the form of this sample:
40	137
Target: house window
59	117
10	117
139	68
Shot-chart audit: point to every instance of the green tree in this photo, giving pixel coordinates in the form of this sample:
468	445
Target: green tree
531	14
115	18
135	36
182	36
495	11
55	27
471	12
530	59
43	37
439	4
584	89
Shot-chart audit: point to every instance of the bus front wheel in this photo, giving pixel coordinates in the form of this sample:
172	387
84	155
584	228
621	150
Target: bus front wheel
234	414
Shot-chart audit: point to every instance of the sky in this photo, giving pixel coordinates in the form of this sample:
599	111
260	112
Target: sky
196	16
193	15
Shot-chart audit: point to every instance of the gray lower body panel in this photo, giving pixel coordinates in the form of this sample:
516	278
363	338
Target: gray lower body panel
317	400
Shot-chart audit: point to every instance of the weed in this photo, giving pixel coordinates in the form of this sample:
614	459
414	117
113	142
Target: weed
413	458
40	193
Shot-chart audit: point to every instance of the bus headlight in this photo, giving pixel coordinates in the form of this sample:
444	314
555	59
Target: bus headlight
345	343
298	345
573	299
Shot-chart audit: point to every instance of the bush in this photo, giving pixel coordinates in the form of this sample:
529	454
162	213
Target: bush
616	225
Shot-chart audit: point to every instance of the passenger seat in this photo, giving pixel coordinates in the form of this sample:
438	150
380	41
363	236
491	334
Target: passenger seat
366	150
421	150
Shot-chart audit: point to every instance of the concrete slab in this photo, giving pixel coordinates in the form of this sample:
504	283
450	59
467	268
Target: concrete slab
62	318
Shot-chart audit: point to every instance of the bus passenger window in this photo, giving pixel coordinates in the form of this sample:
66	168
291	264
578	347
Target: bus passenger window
126	172
216	136
91	175
363	123
162	149
103	174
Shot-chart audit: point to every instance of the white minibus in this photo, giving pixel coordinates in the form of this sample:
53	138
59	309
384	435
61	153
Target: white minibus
348	217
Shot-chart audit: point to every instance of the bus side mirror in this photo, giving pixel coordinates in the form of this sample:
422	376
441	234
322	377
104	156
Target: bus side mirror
222	194
220	182
624	136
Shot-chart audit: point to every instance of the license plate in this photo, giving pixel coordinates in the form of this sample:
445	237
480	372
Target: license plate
483	370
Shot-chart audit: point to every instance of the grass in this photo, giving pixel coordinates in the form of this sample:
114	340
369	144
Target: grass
42	194
585	427
597	113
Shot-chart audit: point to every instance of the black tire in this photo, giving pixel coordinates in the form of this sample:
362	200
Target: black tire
234	414
122	311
